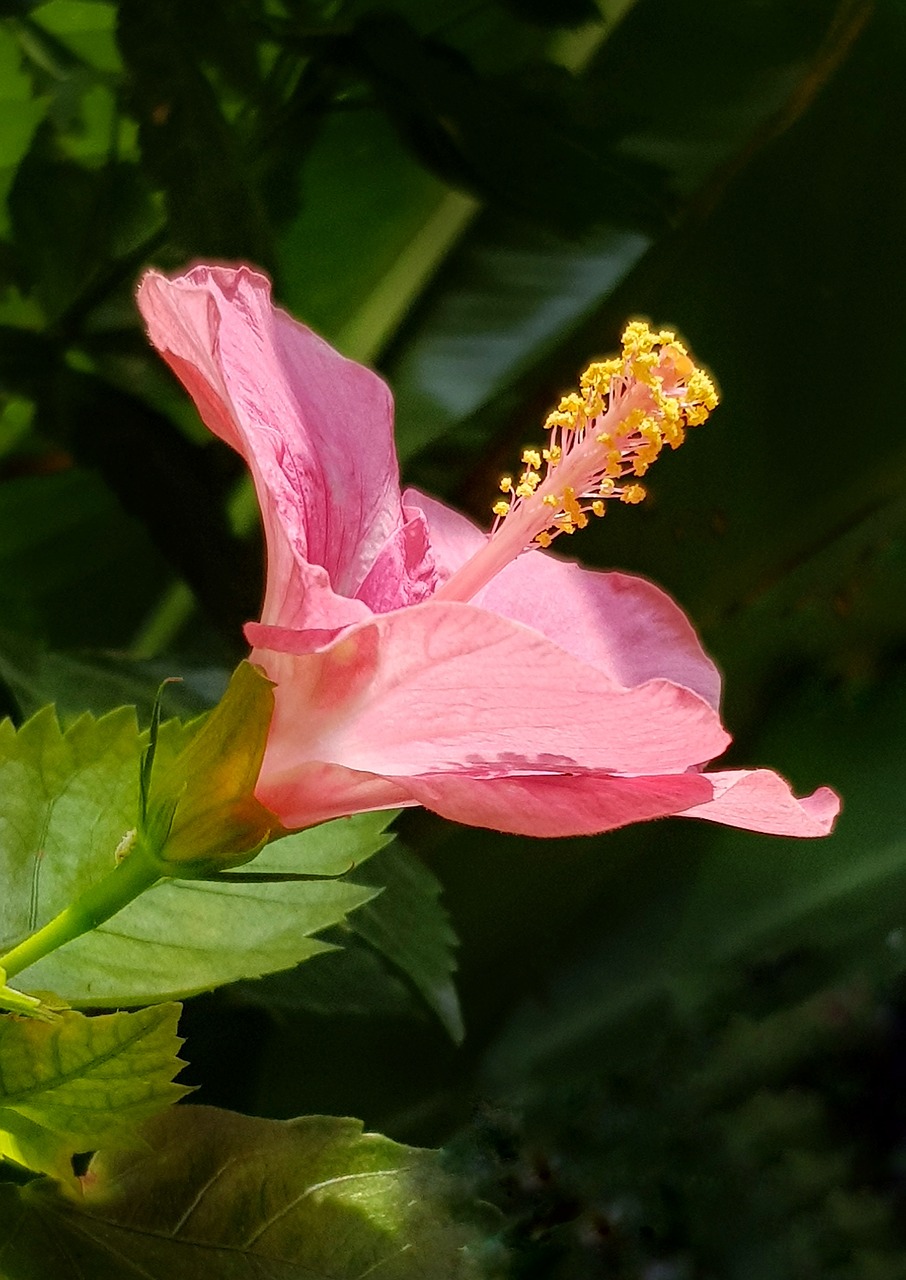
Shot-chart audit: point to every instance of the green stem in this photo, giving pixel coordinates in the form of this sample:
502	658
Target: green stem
138	871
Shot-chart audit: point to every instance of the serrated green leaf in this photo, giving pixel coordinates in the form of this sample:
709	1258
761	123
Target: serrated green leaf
226	1197
396	949
354	979
79	1083
407	924
67	800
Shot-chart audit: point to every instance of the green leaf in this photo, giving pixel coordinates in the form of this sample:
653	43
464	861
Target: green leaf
79	1083
189	145
72	223
20	115
63	540
407	924
354	979
220	1196
398	946
511	140
66	802
100	682
510	297
398	221
85	27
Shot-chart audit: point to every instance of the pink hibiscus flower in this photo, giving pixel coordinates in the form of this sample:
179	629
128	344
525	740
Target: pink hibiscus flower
417	659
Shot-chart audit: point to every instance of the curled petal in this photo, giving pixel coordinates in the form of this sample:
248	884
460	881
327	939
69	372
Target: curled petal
449	687
314	428
454	538
760	800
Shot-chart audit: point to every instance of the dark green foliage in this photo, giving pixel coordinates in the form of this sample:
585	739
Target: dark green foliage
684	1045
522	141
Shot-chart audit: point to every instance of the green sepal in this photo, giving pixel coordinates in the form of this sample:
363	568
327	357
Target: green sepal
200	811
150	751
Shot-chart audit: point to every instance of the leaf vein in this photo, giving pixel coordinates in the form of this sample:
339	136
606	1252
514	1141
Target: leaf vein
316	1186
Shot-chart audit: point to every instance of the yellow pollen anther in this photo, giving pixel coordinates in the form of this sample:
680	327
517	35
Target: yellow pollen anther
626	410
614	463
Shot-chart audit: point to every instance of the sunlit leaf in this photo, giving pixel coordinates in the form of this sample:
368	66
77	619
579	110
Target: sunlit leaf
78	1083
220	1196
66	802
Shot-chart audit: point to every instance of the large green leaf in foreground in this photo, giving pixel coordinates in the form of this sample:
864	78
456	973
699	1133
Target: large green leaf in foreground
220	1196
66	801
75	1083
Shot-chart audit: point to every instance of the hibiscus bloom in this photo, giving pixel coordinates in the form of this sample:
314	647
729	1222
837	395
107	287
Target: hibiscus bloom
421	661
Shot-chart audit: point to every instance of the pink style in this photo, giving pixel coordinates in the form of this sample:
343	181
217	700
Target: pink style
420	661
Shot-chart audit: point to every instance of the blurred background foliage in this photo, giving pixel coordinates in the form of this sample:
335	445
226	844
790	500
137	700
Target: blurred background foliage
685	1047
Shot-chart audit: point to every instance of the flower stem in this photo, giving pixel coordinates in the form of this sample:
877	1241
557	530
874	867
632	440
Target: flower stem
138	871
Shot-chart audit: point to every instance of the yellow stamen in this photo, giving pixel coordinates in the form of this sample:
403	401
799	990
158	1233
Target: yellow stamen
603	438
627	409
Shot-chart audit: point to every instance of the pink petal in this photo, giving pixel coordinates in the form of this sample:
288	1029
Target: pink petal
454	538
760	800
548	805
405	557
316	792
447	687
624	625
315	429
